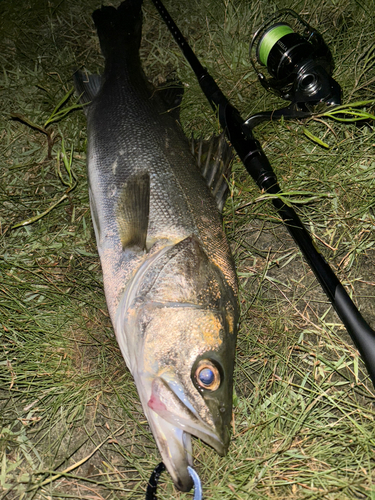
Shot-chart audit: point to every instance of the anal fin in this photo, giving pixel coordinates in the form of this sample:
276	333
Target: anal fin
132	211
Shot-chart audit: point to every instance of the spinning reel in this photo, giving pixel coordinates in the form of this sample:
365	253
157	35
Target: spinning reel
299	63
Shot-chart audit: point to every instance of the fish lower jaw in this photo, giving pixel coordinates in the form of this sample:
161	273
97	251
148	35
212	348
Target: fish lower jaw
175	448
173	423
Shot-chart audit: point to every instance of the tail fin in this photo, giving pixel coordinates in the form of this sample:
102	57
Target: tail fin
119	27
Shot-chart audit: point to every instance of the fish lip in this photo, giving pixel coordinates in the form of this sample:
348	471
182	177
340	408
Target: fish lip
175	413
199	428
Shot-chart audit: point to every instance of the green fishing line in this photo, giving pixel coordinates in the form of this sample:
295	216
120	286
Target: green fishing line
269	39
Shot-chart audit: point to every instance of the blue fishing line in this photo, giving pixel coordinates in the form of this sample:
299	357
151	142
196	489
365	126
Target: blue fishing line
197	484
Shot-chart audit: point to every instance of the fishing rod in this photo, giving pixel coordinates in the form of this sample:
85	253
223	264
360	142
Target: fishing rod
257	165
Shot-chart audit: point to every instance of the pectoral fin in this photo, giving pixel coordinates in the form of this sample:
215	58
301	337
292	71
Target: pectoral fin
132	212
172	93
87	86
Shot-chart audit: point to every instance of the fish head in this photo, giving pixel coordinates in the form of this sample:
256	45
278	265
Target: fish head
188	384
184	314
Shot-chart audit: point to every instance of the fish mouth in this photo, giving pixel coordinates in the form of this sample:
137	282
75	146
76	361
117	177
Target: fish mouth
173	421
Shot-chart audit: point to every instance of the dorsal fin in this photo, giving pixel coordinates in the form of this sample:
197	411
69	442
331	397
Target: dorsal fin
214	158
132	211
87	86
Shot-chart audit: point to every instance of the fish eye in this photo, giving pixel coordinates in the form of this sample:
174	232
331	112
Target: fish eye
207	375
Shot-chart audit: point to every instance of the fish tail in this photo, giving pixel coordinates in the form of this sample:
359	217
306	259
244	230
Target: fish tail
119	29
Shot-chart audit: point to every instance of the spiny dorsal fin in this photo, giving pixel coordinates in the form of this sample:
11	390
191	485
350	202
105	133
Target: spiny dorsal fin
214	159
132	211
87	86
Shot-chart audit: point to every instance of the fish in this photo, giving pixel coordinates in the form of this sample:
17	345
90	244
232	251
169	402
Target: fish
168	273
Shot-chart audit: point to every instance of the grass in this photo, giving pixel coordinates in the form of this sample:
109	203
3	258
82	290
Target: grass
71	425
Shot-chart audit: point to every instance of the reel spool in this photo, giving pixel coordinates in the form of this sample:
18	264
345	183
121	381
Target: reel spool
299	63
